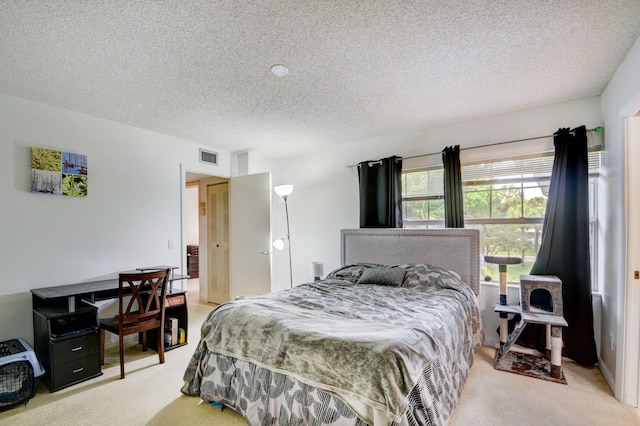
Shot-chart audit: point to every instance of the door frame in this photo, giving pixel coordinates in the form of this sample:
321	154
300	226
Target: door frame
204	172
630	367
627	374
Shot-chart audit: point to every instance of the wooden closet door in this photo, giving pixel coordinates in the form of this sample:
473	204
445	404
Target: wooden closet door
218	242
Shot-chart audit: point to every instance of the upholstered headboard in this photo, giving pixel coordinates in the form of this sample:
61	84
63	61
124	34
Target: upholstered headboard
454	249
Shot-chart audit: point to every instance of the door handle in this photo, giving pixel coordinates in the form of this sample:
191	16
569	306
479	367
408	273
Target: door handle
266	252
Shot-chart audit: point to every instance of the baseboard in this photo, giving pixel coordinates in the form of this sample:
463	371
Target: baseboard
493	342
112	341
608	377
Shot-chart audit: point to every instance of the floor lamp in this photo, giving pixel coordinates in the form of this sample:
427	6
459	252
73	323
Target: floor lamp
284	191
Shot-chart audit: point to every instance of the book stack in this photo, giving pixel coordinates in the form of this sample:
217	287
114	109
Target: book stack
171	331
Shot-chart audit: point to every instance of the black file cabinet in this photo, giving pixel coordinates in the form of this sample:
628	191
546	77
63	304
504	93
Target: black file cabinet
67	344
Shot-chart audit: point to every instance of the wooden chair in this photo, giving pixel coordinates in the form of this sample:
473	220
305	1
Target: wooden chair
144	310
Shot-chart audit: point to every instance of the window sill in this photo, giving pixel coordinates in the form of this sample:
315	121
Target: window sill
497	284
517	285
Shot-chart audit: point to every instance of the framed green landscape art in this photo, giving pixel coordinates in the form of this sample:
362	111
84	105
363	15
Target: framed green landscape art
58	172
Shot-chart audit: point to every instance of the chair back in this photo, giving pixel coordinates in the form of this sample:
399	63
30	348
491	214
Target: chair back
148	292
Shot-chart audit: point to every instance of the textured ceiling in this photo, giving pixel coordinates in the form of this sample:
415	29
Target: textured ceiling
200	70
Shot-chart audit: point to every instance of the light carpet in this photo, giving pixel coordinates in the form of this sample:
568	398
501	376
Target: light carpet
150	394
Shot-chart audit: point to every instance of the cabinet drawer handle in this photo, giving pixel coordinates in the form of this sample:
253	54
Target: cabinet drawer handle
77	370
79	348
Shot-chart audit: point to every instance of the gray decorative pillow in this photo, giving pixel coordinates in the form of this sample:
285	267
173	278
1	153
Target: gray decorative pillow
351	272
383	276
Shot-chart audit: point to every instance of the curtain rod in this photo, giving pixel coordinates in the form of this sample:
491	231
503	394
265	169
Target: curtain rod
371	163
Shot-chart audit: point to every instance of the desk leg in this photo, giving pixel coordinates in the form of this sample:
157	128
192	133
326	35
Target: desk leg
556	352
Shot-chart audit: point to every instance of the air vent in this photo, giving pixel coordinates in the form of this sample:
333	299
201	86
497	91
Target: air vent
208	157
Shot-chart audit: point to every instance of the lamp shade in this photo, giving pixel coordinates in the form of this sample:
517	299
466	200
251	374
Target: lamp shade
283	190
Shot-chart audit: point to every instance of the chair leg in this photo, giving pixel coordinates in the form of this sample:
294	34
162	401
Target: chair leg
160	334
121	339
102	346
145	343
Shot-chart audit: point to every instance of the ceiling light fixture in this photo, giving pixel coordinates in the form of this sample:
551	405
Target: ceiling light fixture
279	70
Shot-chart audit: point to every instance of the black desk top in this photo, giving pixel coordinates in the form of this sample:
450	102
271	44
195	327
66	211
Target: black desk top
94	287
157	268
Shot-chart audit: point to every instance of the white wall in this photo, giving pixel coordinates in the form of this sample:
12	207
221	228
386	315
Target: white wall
620	99
325	197
133	207
126	221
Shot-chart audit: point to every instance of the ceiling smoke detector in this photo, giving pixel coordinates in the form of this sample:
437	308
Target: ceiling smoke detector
279	70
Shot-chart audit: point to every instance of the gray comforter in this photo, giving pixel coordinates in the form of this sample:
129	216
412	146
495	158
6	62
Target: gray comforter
360	342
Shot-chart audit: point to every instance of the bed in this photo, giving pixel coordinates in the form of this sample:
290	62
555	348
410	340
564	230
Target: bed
386	339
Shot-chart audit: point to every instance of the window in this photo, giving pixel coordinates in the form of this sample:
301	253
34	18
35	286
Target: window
423	198
505	198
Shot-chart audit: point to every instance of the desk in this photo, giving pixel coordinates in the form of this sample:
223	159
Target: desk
92	291
66	327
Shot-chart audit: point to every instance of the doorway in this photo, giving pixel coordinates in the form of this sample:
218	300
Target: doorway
246	228
198	222
192	227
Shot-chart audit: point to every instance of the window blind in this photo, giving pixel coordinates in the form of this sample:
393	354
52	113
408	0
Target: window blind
428	182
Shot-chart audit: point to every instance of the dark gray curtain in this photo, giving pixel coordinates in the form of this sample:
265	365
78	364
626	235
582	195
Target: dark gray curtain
453	203
564	249
381	193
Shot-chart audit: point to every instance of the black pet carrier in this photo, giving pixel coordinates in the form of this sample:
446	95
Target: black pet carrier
19	368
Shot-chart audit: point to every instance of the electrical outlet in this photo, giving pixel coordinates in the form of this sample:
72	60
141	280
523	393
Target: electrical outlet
611	341
170	244
636	275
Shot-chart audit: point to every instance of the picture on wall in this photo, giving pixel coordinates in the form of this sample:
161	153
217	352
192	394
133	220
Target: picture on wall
57	172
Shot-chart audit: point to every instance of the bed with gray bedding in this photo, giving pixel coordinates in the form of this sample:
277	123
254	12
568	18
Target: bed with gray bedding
377	342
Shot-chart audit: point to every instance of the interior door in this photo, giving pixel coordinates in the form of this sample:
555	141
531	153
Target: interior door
218	243
250	232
